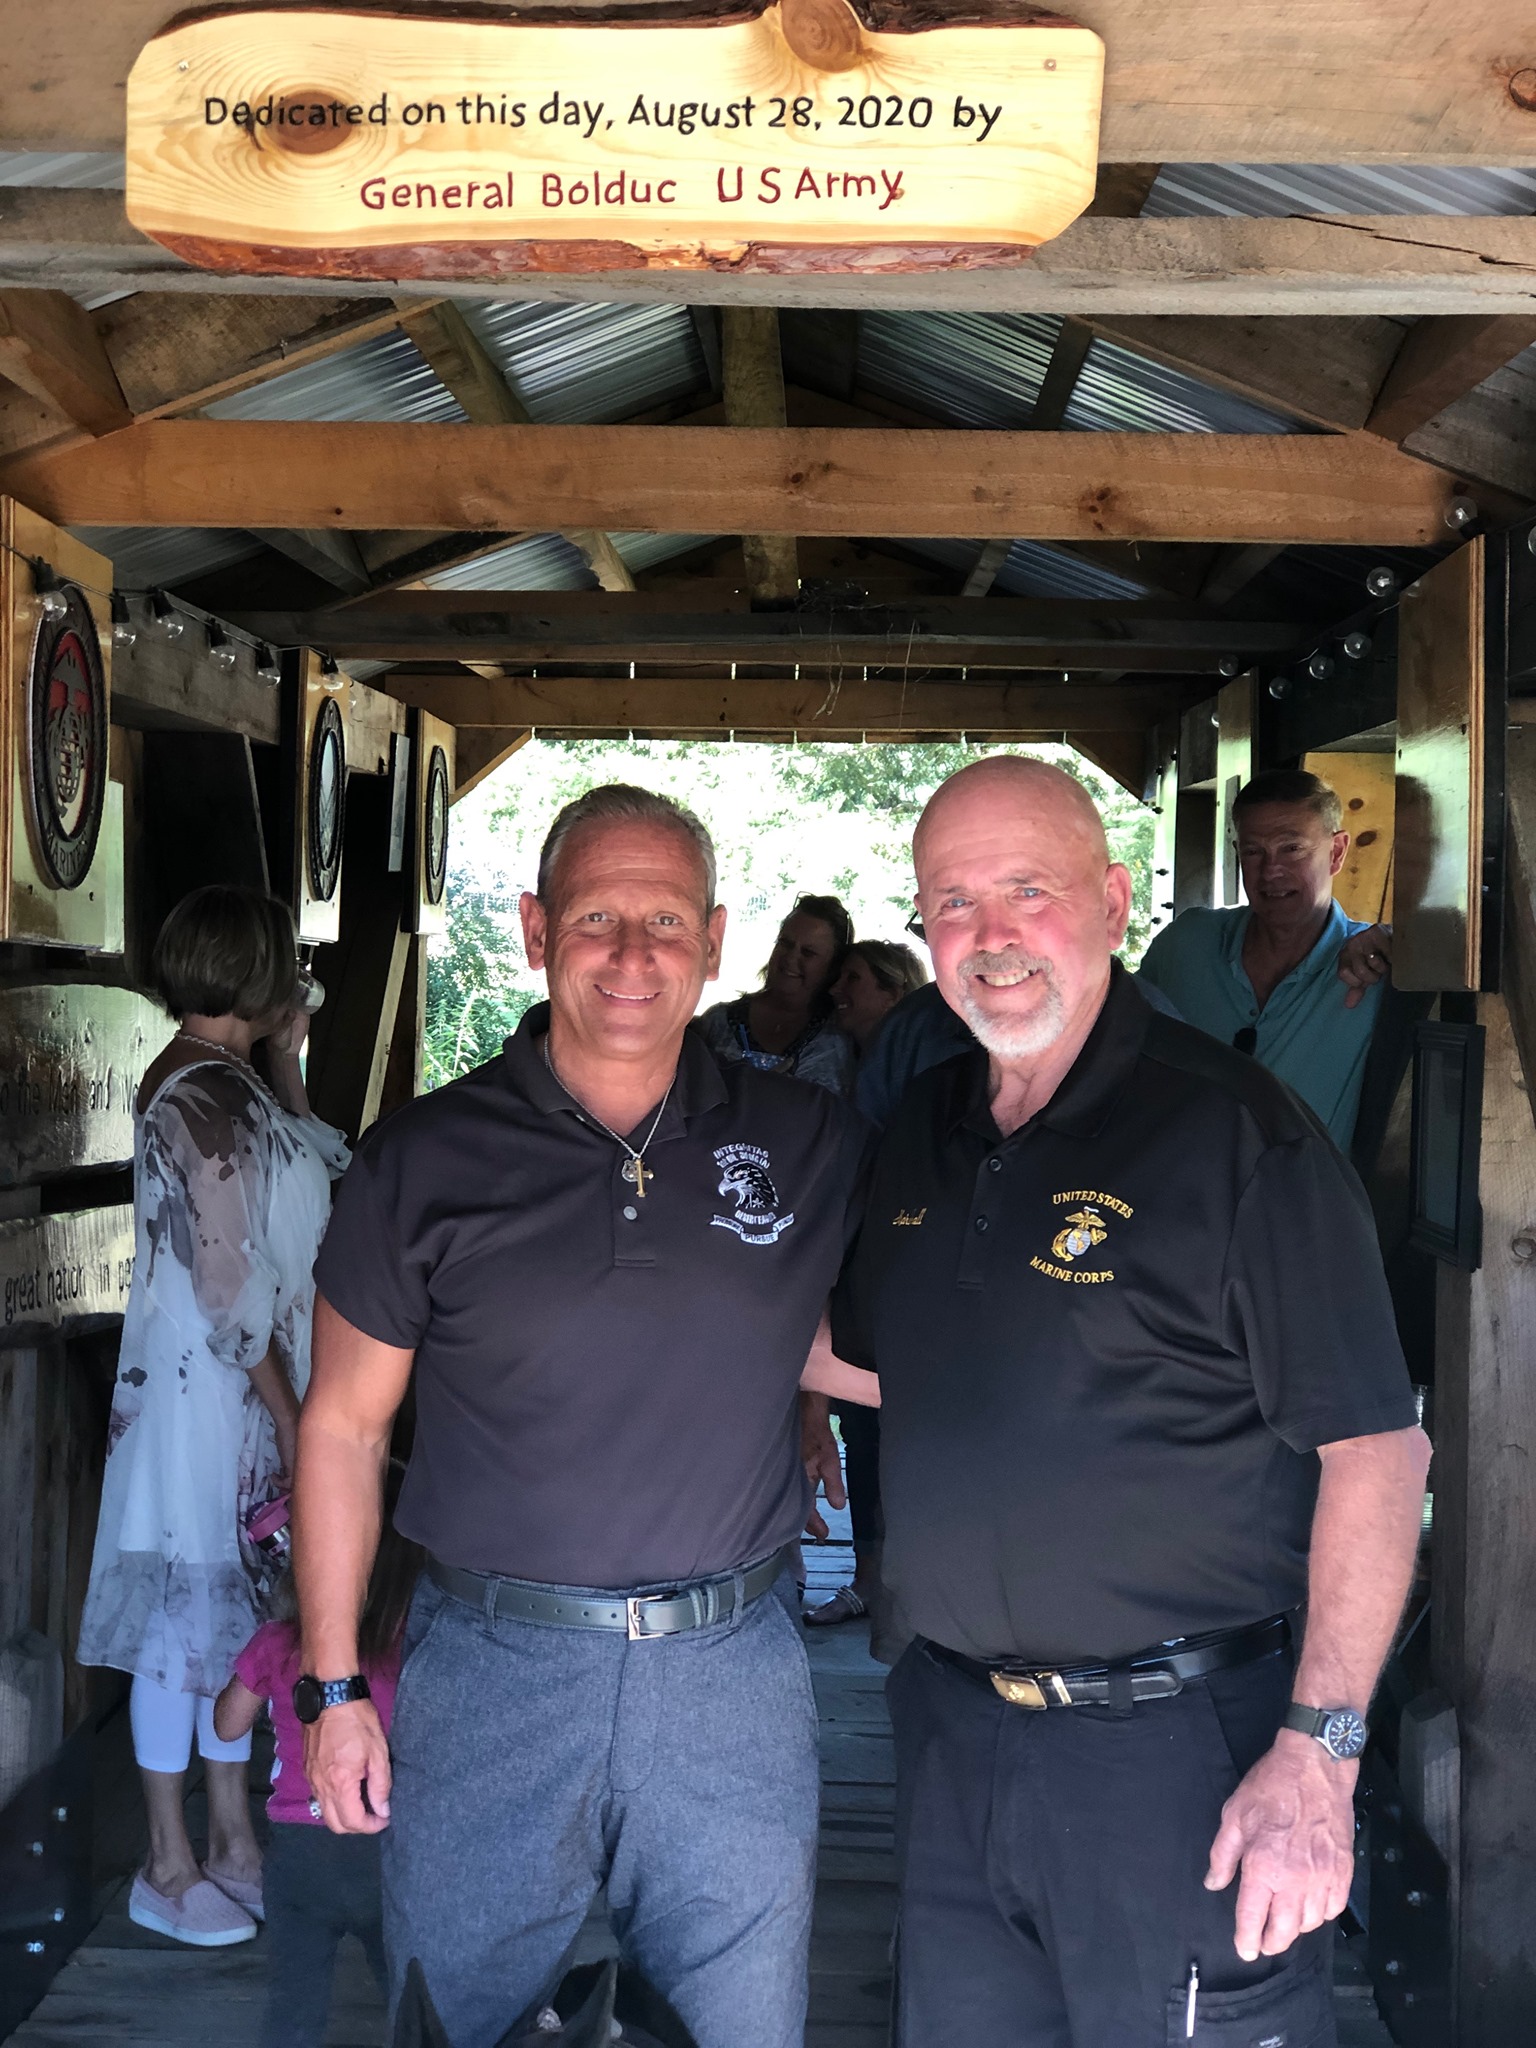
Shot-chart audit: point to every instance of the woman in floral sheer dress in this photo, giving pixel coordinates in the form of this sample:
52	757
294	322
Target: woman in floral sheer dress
231	1194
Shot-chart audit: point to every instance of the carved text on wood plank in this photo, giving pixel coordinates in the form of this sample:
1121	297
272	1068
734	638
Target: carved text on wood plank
331	143
62	1269
71	1059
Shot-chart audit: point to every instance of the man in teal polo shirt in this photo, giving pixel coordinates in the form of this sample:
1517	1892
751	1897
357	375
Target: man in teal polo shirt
1265	977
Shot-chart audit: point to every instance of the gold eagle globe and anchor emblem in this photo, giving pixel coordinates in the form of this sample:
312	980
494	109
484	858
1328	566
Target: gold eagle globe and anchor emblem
1084	1229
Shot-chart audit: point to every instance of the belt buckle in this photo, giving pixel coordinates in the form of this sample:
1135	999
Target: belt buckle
1028	1689
633	1617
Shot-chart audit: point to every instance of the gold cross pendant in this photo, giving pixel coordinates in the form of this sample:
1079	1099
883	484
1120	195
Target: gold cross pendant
634	1172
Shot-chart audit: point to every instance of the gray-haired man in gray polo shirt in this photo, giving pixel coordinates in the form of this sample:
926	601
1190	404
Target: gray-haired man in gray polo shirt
604	1255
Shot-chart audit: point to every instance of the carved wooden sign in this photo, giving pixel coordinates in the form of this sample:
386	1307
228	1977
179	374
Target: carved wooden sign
60	1269
71	1059
795	136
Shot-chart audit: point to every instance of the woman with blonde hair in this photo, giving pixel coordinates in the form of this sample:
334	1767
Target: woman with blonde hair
232	1179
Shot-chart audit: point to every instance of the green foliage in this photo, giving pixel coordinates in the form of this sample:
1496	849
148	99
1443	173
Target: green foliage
472	1004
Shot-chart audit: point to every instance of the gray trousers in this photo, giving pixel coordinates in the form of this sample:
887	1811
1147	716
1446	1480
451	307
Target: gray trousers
535	1764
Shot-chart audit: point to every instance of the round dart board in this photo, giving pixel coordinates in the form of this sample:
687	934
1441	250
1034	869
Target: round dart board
66	761
323	800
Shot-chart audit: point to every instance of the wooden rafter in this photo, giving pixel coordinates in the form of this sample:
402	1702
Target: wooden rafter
691	704
50	347
1439	362
752	393
1250	488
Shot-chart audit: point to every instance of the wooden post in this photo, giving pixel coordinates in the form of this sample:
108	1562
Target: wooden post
363	971
753	378
1484	1643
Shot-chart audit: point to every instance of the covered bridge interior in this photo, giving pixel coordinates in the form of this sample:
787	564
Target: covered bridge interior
1238	472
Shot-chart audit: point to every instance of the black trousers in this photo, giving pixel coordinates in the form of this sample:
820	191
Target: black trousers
861	1469
1050	1867
317	1887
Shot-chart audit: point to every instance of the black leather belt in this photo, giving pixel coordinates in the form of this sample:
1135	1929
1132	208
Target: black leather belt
637	1615
1155	1674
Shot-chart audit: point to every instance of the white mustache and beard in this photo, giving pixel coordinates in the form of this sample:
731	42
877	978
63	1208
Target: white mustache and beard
1012	1038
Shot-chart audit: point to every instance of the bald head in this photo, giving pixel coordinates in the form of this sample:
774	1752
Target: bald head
1012	783
1021	903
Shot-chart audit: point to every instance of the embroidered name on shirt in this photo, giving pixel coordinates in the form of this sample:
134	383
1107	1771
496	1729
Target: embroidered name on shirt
908	1219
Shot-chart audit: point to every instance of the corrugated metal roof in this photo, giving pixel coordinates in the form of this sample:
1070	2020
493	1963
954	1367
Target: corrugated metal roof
648	550
545	561
570	364
985	370
1031	570
145	557
383	379
1121	392
75	170
1259	190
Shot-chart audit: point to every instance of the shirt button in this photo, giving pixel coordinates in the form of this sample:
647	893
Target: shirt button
631	1214
994	1164
981	1222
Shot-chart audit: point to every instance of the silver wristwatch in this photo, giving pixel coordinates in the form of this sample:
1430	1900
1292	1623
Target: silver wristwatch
1339	1729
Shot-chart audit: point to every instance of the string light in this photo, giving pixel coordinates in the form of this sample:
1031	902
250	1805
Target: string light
167	618
221	650
1357	645
124	632
268	667
328	665
1381	582
1320	666
51	600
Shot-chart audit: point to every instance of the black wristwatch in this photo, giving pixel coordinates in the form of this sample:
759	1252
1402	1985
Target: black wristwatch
311	1696
1339	1729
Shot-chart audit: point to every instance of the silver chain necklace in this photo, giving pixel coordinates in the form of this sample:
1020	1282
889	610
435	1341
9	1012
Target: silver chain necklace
633	1169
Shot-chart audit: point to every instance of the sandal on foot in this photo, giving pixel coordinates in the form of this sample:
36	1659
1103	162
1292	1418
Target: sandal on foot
845	1605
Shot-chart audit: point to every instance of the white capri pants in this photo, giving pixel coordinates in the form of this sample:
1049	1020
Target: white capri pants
163	1721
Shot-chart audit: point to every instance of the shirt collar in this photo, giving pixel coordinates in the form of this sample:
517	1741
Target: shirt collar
1336	929
699	1086
1093	1083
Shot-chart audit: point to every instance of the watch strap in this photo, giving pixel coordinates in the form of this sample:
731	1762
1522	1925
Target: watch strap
339	1692
1311	1721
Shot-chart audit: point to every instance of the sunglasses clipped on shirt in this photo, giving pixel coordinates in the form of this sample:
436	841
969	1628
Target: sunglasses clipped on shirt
1246	1038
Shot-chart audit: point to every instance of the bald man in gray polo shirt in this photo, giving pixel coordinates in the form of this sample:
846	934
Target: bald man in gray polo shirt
605	1255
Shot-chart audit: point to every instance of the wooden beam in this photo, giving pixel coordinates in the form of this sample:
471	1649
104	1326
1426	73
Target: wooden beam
1439	362
334	557
1309	83
1074	338
984	570
1325	371
480	752
50	347
752	387
689	704
1123	756
1234	570
1395	265
1312	488
602	558
170	685
997	633
1490	437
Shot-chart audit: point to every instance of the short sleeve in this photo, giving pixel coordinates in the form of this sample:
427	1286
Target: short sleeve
364	1269
206	1191
329	1143
1305	1300
253	1666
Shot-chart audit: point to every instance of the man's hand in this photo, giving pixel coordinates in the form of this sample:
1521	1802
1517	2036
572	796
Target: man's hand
344	1753
1363	961
823	1466
1290	1825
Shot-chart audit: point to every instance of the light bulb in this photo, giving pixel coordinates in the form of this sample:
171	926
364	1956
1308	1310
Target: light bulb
1380	582
268	667
1320	666
124	632
1357	645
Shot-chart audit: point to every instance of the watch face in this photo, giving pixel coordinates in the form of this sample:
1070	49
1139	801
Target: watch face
1344	1734
308	1699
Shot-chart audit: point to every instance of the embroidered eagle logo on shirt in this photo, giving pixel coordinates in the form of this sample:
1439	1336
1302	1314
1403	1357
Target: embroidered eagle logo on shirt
746	1180
1083	1230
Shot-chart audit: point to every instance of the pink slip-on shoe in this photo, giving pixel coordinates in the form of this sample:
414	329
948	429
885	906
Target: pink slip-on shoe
241	1890
203	1917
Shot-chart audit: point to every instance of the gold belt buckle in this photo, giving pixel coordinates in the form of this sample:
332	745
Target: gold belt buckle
1028	1689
